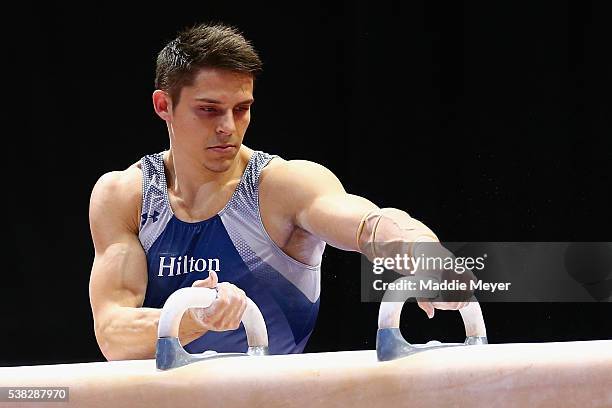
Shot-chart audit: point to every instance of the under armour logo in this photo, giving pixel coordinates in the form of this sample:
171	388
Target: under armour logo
154	217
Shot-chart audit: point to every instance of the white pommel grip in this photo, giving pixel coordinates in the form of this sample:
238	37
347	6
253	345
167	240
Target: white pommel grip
185	298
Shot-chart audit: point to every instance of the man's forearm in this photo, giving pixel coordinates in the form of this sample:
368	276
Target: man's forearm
131	333
381	229
392	233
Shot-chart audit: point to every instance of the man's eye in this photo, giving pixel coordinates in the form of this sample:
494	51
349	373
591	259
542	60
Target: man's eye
208	109
243	108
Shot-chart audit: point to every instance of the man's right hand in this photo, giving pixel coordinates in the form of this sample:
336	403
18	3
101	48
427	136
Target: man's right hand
447	300
225	313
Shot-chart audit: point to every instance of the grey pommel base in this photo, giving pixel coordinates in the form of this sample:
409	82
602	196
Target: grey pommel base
391	345
169	351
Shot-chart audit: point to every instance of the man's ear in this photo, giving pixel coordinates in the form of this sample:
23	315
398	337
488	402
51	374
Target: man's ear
162	104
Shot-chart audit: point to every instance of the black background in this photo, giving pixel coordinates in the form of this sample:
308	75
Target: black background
488	122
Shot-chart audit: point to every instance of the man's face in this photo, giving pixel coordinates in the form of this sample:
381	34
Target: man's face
212	116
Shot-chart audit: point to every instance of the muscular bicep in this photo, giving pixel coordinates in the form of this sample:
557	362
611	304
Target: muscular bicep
118	276
335	218
325	209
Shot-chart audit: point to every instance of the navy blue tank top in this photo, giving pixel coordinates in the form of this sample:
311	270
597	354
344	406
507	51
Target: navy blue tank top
235	244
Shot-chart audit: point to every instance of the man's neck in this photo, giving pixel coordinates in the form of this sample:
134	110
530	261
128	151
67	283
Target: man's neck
188	178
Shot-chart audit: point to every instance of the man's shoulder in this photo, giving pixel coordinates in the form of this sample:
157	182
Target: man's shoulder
119	191
128	181
293	184
295	172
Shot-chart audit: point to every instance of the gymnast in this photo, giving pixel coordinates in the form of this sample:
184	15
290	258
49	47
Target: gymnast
211	212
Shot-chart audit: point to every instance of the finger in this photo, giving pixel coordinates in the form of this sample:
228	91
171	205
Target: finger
238	306
198	315
210	282
449	305
427	307
220	312
214	277
444	305
229	305
212	316
225	313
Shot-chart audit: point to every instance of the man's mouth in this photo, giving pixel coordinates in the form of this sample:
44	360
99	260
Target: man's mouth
223	148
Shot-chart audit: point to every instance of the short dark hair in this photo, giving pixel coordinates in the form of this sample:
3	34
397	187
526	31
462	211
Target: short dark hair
214	45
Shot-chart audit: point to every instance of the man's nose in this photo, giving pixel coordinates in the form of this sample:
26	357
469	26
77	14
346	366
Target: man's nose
226	125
